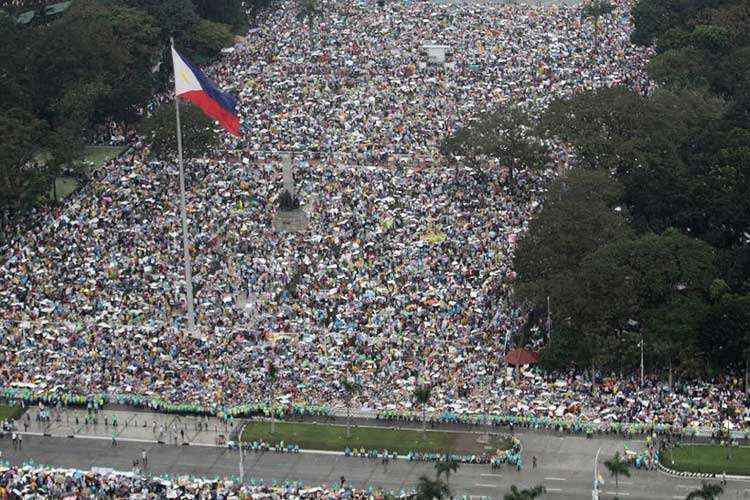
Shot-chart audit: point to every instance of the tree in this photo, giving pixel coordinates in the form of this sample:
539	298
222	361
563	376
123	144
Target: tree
525	494
105	69
422	397
507	136
617	467
21	179
595	9
725	332
229	12
351	387
579	216
198	134
14	75
205	40
671	332
707	491
429	489
446	466
601	124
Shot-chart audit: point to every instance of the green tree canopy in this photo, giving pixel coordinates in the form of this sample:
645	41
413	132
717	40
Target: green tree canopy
21	181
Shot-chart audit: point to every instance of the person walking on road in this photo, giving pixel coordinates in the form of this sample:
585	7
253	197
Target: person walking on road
144	459
533	462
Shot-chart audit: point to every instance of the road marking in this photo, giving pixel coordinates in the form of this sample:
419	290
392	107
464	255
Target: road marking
554	490
684	487
620	494
491	475
678	496
486	485
554	479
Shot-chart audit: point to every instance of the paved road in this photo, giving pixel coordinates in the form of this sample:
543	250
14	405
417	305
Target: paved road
565	466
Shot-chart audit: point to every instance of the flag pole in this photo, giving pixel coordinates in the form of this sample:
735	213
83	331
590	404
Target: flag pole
183	215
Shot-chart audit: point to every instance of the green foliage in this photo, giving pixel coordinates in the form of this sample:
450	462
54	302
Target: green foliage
617	467
578	217
104	69
707	491
429	489
229	12
507	136
21	180
525	494
198	133
205	40
725	331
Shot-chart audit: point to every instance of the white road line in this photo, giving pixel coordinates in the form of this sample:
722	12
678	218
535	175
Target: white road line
554	479
486	485
619	494
553	490
491	475
685	487
677	496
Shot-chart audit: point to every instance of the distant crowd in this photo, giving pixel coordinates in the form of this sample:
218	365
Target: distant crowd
404	276
31	481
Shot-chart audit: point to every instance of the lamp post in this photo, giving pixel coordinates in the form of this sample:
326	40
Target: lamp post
242	455
595	490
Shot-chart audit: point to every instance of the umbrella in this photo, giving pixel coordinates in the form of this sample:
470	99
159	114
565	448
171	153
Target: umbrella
518	357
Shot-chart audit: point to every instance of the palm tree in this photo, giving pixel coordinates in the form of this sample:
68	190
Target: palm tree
422	397
351	387
595	10
309	10
428	489
446	466
707	491
527	494
617	467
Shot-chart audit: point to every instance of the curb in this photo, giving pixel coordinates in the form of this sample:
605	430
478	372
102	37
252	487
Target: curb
698	475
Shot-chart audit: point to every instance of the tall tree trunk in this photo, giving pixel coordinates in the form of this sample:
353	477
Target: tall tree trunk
671	379
424	419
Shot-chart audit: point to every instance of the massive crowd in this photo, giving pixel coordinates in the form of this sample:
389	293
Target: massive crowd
404	275
30	481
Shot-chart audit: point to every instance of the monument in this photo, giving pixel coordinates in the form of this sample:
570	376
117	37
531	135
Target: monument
289	216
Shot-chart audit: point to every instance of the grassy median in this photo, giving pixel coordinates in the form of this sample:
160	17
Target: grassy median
709	459
333	437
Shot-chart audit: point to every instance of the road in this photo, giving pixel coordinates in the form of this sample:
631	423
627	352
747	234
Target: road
565	466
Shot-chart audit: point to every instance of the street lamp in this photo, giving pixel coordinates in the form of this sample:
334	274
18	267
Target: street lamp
239	442
595	490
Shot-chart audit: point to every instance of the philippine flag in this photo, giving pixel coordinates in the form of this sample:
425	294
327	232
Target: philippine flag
192	85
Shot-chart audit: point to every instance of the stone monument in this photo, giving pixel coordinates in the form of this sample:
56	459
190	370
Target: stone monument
289	216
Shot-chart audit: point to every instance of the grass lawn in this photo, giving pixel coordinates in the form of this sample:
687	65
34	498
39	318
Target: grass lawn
709	459
333	437
10	412
93	154
99	154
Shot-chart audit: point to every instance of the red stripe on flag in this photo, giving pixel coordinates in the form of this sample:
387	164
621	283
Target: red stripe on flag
228	120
